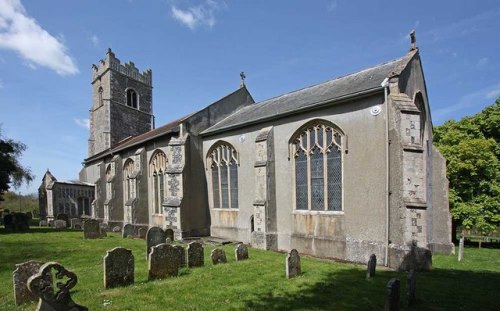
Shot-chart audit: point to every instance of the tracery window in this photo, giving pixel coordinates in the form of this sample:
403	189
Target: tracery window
317	155
132	98
129	180
157	167
223	163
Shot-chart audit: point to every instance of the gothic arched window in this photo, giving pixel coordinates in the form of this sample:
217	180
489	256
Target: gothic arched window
128	180
157	167
100	95
132	98
317	157
223	164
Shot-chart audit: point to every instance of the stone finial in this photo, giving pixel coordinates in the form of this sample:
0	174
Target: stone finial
242	76
413	40
94	67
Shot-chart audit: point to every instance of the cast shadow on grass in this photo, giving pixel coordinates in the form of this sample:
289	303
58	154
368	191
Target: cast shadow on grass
440	289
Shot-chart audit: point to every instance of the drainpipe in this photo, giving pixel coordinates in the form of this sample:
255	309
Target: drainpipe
385	85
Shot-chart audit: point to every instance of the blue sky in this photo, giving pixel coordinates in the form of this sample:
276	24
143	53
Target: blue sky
197	49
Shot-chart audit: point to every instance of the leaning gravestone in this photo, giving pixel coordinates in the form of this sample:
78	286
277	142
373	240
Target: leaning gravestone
241	252
60	224
292	263
169	233
48	298
195	255
128	231
182	255
411	284
118	267
218	256
64	217
91	229
392	298
155	236
372	264
163	261
20	277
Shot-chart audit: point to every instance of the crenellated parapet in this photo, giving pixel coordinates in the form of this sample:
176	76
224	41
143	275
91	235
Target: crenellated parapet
128	69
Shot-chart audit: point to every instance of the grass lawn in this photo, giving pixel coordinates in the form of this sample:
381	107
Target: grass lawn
256	284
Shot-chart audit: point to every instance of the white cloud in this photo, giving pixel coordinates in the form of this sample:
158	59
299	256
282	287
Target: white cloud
85	123
95	40
194	16
22	33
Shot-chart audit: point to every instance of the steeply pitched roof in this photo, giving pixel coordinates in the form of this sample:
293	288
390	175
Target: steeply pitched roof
315	96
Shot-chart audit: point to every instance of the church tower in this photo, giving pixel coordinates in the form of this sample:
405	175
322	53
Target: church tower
122	103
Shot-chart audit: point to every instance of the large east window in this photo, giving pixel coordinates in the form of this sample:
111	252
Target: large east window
317	157
157	167
223	166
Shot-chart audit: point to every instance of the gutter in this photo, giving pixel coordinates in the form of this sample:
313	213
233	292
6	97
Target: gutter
385	85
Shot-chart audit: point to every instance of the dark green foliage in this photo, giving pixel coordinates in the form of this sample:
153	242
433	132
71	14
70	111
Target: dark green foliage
471	147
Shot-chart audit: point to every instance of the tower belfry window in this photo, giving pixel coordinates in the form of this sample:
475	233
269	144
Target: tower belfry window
132	98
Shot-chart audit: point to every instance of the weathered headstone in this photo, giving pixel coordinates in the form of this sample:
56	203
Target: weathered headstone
60	224
78	227
195	255
117	229
292	263
128	231
155	236
411	284
218	256
45	290
169	233
20	277
372	264
392	298
182	255
118	267
91	229
163	261
141	233
241	252
43	223
76	223
64	217
461	249
8	222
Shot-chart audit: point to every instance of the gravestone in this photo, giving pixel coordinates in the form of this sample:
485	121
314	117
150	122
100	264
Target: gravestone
128	231
195	255
48	298
20	277
461	249
76	223
118	267
392	298
292	263
117	229
411	284
141	233
218	256
155	236
60	224
372	264
91	229
78	227
169	233
163	261
241	252
182	255
64	217
8	222
43	223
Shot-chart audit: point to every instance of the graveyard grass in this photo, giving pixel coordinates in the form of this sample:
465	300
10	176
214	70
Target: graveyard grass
255	284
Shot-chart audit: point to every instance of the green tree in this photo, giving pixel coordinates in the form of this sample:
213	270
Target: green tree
11	171
471	148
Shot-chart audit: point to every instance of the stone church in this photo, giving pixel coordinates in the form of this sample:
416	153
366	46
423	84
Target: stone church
341	169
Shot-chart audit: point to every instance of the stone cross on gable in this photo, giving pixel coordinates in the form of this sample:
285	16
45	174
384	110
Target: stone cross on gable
242	76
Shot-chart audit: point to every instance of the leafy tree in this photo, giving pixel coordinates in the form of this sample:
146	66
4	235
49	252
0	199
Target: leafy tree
471	147
11	171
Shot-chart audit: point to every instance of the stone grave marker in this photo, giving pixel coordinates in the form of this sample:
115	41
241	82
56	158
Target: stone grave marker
128	231
155	236
182	255
392	298
43	223
195	255
76	223
117	229
372	264
461	249
91	229
60	224
64	217
141	233
20	277
169	233
218	256
118	267
241	252
163	261
411	284
51	297
292	263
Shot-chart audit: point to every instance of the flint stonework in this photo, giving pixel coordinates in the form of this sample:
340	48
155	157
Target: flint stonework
163	261
118	267
292	263
155	236
182	255
20	277
195	255
91	229
392	298
372	264
218	256
241	252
